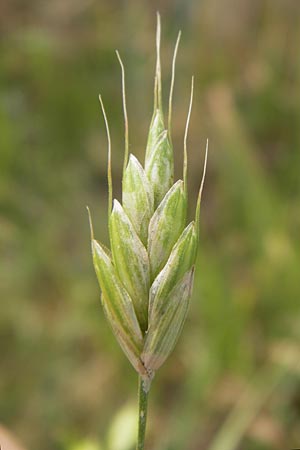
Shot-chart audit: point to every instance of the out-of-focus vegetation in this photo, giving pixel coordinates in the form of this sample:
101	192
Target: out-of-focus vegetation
233	381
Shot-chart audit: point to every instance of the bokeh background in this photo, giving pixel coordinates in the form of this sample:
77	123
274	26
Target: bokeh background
233	381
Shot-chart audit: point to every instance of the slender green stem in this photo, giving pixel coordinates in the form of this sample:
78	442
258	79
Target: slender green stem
143	392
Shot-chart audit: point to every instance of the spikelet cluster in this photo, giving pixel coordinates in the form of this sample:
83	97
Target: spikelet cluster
146	277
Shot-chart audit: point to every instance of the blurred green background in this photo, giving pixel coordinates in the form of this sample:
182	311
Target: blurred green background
233	381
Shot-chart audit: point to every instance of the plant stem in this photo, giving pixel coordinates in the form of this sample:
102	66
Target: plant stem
143	392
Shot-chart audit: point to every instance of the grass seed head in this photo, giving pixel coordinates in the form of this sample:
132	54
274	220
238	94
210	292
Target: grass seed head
146	279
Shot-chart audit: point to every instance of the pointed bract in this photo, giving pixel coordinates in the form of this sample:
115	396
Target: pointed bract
181	259
156	128
117	303
130	260
166	226
159	167
137	197
165	328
